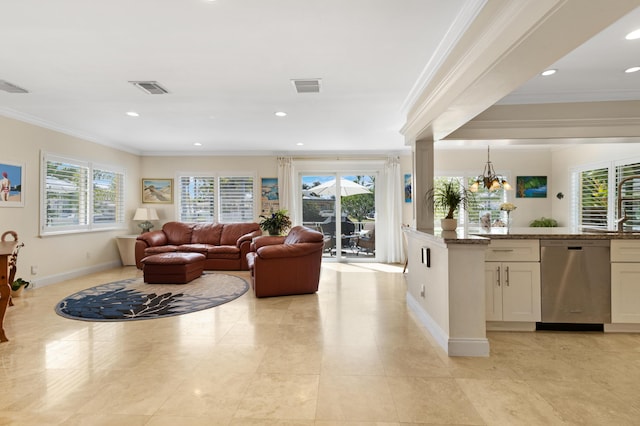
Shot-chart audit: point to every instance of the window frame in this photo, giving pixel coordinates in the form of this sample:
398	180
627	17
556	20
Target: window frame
86	194
218	214
612	168
465	178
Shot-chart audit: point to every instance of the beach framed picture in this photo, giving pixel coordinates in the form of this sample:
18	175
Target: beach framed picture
157	191
531	187
270	197
408	193
11	184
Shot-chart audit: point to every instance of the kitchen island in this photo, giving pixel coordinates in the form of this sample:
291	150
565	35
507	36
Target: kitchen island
459	285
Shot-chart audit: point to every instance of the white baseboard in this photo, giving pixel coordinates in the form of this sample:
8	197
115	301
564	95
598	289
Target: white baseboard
52	279
622	328
478	347
510	326
468	347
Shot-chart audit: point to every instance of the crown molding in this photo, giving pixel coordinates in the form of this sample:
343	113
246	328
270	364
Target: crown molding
507	44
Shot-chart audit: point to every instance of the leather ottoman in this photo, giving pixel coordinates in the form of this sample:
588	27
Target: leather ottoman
172	268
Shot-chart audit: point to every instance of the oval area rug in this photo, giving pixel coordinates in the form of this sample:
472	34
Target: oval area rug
132	299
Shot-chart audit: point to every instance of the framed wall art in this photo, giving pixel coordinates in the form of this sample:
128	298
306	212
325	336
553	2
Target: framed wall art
158	191
531	187
408	194
270	198
11	184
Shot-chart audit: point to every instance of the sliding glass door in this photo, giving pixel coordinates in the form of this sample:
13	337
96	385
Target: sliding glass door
342	207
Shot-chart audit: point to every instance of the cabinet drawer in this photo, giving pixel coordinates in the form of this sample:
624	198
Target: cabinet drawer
513	251
625	250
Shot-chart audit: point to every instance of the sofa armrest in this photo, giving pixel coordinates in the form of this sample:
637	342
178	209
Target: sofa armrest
266	240
248	237
287	250
153	238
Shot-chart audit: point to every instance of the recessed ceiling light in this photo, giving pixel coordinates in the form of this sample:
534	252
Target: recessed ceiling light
300	144
548	72
133	114
281	114
633	35
632	69
197	144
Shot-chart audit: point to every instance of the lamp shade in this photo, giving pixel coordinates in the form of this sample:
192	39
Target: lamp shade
146	214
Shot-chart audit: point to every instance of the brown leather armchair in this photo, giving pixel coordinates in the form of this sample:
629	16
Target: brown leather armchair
282	266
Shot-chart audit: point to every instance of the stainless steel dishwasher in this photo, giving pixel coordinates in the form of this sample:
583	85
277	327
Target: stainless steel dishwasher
575	279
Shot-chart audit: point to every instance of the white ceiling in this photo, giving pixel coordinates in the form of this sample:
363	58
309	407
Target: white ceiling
227	65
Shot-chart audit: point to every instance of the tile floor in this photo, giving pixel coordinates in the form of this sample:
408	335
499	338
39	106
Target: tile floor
350	355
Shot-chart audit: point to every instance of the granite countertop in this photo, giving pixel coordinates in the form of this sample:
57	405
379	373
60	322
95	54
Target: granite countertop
559	233
525	233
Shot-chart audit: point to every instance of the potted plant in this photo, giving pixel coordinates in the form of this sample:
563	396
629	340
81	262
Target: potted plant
277	223
17	286
544	222
449	196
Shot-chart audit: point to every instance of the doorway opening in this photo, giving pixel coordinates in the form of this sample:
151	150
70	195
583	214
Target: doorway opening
342	207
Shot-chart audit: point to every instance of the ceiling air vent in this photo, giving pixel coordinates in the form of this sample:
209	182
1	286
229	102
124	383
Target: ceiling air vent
150	87
11	88
307	85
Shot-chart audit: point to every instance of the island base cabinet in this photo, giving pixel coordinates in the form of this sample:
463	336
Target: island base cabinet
512	291
625	293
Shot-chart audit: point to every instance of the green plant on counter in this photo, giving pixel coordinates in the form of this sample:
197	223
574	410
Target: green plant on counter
15	286
544	222
450	196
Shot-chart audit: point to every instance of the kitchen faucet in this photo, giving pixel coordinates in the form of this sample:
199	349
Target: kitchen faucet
624	218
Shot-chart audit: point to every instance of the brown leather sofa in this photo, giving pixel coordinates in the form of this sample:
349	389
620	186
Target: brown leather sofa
224	245
282	266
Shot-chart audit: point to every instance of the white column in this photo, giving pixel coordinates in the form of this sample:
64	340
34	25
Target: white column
423	172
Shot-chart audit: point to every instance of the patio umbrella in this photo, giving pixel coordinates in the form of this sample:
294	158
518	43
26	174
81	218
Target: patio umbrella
347	188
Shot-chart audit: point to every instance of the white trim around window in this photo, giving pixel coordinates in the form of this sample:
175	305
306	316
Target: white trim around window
80	196
216	197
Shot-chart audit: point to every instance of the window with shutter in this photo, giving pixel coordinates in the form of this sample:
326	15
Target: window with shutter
216	198
108	196
236	199
485	202
630	193
197	199
596	195
593	198
76	196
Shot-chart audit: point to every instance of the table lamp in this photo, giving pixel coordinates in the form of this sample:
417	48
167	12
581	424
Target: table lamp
145	214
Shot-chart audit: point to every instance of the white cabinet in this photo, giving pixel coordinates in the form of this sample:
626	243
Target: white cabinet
625	281
512	281
512	291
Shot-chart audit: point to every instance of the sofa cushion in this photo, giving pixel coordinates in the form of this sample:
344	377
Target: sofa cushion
178	232
207	233
223	252
160	249
195	248
232	231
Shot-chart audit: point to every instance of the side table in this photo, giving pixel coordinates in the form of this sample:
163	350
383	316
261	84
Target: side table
127	248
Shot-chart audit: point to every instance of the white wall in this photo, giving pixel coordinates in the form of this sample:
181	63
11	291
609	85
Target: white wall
64	254
169	167
56	256
264	166
511	162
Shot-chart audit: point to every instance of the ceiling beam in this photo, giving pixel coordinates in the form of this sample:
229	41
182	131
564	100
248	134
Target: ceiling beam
507	44
558	120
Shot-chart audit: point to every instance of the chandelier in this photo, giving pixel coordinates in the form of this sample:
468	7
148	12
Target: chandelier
489	179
